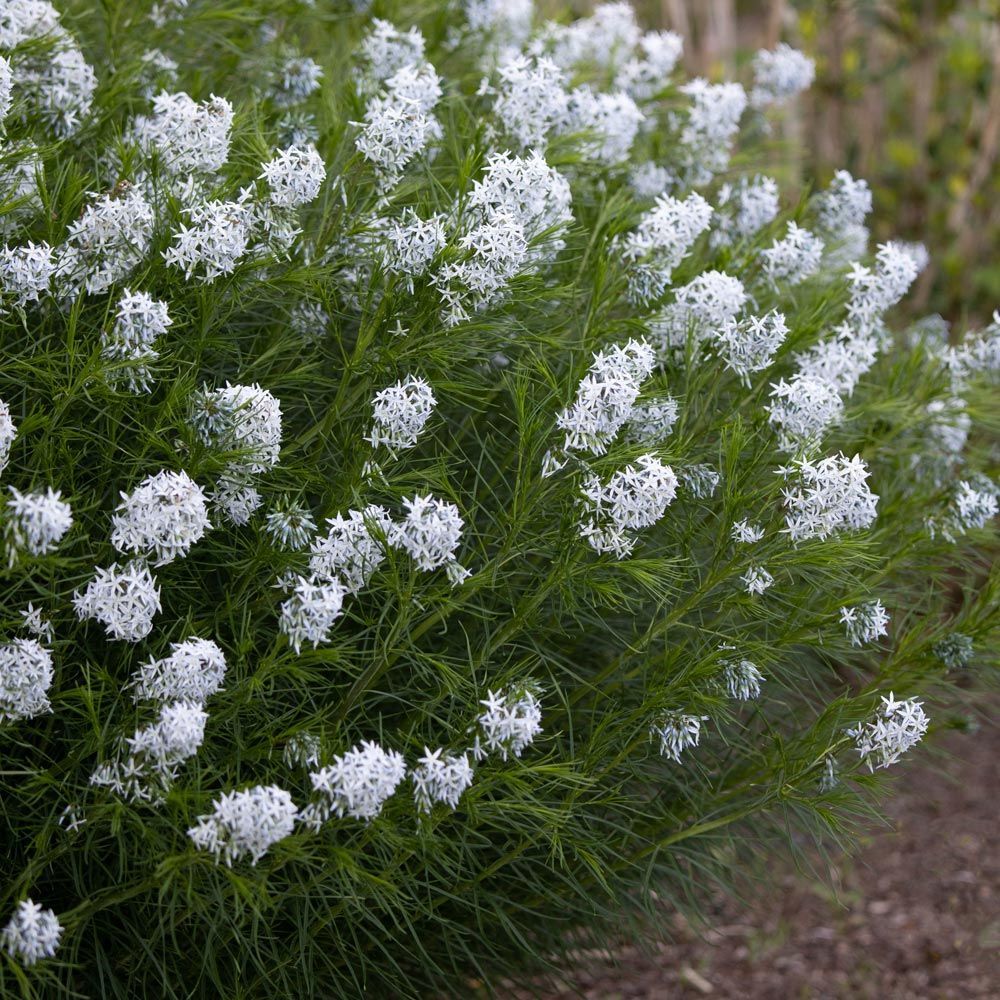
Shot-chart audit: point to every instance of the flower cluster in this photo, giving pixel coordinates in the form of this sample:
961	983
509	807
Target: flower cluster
25	679
896	727
865	623
32	933
827	497
35	522
245	823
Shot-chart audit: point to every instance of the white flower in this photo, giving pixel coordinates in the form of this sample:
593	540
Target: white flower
643	78
400	413
895	727
701	480
663	238
106	243
700	309
827	497
430	531
291	526
749	345
236	499
294	176
123	600
872	292
746	533
356	784
756	580
193	672
742	679
531	102
36	522
677	732
794	258
310	321
187	136
609	122
649	180
606	396
8	432
298	77
411	244
802	410
174	738
440	777
26	272
865	623
25	679
506	21
635	497
31	933
392	134
844	204
58	86
509	722
309	613
841	360
215	241
245	419
970	509
245	823
386	49
651	422
779	75
744	208
162	517
352	549
139	321
708	127
954	650
36	625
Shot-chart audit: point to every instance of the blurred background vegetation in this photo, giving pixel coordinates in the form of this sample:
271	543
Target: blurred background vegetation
907	95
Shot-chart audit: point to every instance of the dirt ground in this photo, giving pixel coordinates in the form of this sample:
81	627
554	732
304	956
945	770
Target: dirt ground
915	914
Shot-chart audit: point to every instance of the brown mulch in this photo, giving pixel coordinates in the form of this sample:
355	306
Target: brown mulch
915	915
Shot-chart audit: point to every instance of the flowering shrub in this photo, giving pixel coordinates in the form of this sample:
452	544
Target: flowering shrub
433	524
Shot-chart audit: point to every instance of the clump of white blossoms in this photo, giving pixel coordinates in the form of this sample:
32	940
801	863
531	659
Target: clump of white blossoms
243	419
793	259
391	135
430	532
608	124
139	321
651	422
109	240
154	754
35	522
187	136
802	410
827	497
310	611
245	823
744	207
865	623
31	934
840	359
294	177
701	308
508	724
297	78
874	290
605	397
530	102
8	432
701	480
895	727
676	732
440	777
955	651
291	525
746	533
26	272
660	242
779	75
401	412
25	679
193	672
162	517
386	49
633	498
708	127
216	240
56	86
749	345
643	76
844	205
742	679
124	600
756	580
352	549
356	784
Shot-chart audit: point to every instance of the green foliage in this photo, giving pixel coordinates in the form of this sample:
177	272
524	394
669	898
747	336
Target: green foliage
591	821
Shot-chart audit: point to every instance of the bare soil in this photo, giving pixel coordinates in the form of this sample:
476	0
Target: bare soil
915	915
